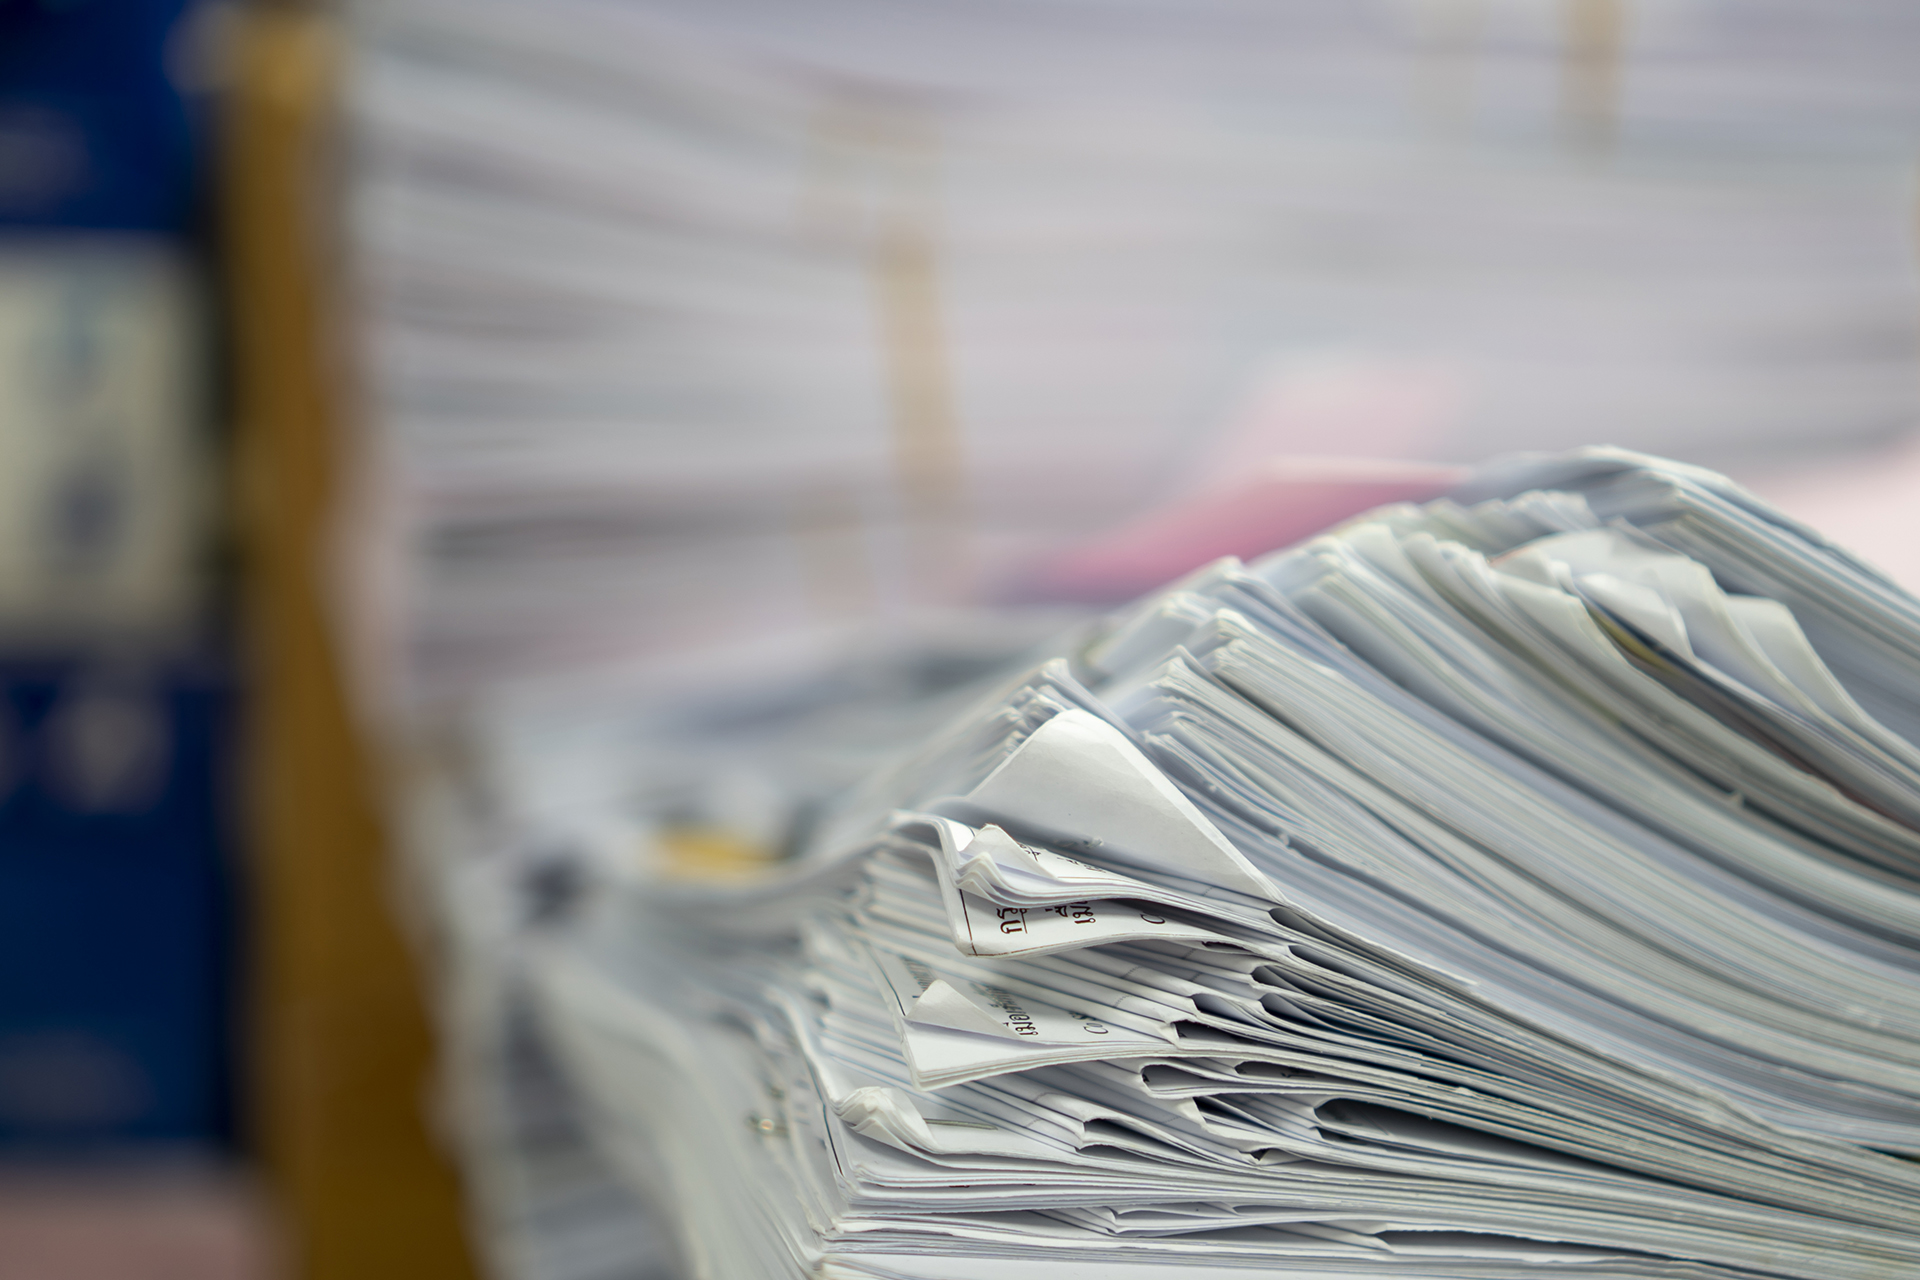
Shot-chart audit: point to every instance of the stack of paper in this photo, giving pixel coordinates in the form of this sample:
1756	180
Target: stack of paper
554	791
1523	885
687	321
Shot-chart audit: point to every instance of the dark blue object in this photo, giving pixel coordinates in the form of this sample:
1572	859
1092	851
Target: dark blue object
115	919
94	131
116	924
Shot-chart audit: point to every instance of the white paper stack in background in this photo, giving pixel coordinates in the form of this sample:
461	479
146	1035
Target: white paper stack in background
1523	885
694	321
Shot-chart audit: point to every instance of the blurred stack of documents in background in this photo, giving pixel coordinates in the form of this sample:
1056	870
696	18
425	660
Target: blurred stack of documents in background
746	386
688	322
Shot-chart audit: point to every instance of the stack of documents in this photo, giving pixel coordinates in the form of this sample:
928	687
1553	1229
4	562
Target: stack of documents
553	790
1522	885
688	320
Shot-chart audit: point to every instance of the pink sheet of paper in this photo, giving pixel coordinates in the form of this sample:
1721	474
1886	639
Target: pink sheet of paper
1269	506
1869	504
